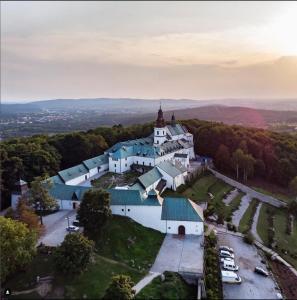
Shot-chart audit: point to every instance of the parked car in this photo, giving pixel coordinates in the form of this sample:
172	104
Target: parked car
226	248
224	253
230	265
226	259
230	277
72	228
261	271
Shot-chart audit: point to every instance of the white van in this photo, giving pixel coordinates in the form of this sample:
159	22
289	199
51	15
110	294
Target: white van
222	259
230	277
224	253
230	265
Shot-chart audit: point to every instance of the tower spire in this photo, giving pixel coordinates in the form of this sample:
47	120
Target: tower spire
160	120
173	123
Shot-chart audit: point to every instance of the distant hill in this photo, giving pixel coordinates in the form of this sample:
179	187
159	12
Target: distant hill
127	105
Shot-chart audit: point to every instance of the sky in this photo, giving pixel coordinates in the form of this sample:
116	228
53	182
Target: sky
194	50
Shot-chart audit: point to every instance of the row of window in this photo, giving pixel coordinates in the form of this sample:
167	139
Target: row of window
127	209
162	132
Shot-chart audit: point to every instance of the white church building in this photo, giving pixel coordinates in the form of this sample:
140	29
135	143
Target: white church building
167	152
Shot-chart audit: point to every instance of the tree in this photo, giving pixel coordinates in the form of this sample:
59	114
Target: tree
26	214
40	197
248	163
237	158
17	244
222	158
94	211
293	186
120	288
74	254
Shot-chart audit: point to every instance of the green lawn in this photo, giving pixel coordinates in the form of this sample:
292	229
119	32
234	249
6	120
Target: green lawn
262	225
246	220
173	287
94	281
198	191
279	196
124	248
284	241
126	241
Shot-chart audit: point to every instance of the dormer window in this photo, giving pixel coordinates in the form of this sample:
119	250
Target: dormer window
157	132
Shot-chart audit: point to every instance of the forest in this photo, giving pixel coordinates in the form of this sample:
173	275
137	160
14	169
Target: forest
238	151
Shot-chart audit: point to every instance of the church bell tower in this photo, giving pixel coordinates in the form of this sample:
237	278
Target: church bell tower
160	129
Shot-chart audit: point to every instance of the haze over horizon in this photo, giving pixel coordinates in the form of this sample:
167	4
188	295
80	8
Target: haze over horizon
148	50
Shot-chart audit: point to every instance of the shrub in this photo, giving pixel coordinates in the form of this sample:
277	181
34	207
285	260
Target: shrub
249	238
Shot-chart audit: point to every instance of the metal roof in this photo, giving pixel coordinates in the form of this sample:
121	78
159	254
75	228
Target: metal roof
180	209
56	179
96	161
130	197
73	172
68	192
137	186
171	169
177	129
150	177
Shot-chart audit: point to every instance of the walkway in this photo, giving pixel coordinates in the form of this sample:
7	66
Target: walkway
244	204
255	223
254	194
177	254
230	196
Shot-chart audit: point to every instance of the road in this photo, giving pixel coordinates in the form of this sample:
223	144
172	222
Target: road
55	227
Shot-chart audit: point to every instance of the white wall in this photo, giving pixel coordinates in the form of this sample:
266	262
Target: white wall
169	180
14	200
160	135
67	204
191	227
77	180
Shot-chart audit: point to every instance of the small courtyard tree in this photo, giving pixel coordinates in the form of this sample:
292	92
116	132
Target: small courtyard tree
17	244
94	211
120	288
40	197
74	254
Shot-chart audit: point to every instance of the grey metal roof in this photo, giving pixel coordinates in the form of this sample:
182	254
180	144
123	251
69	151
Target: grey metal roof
96	161
180	209
73	172
169	168
181	155
150	177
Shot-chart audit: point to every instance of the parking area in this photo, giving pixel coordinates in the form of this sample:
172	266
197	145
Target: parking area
55	227
180	254
253	286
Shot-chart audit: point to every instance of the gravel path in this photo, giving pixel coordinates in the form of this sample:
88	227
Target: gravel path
244	204
230	196
255	222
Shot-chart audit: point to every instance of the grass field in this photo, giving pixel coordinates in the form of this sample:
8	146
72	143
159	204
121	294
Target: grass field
126	241
246	220
124	248
173	287
284	241
279	196
94	281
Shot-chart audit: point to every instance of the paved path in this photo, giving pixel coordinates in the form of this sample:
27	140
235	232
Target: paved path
254	194
230	196
177	254
255	222
55	227
244	204
145	281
